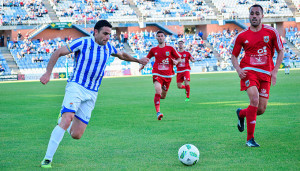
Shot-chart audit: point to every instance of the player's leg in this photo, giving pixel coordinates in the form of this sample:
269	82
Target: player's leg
56	137
82	118
251	114
187	89
165	87
264	91
262	105
158	92
180	85
179	80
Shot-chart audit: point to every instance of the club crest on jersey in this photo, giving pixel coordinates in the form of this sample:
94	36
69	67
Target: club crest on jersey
247	83
167	53
266	39
155	53
184	55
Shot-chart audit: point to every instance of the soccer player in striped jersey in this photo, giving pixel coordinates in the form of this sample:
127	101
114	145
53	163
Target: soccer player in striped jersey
165	58
91	55
256	69
183	69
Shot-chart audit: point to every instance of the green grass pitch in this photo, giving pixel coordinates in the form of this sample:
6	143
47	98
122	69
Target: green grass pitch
124	134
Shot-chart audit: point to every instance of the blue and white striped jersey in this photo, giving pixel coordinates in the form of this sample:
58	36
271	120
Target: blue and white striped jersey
90	61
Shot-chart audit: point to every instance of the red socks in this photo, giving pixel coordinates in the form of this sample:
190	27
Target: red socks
157	102
243	112
187	88
182	87
251	121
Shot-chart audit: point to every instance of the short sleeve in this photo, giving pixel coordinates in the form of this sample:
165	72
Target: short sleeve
75	45
236	46
277	41
150	54
175	54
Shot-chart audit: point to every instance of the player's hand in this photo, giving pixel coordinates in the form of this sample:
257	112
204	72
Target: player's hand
45	78
273	77
242	73
144	61
142	67
175	62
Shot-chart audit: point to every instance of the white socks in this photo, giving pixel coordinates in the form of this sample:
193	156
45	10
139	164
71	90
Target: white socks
56	137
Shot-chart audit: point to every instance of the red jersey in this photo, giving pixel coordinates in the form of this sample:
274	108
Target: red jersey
259	48
163	65
184	65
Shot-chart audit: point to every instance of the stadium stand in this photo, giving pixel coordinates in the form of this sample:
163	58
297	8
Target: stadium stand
142	42
19	12
33	56
80	12
234	9
4	69
169	9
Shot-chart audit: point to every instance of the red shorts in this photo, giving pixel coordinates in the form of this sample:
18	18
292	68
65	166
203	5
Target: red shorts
163	81
183	76
260	80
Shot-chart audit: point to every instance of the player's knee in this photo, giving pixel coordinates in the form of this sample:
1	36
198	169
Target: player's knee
179	86
261	110
76	135
163	97
254	101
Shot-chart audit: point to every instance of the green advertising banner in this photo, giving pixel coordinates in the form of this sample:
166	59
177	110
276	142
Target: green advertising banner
61	25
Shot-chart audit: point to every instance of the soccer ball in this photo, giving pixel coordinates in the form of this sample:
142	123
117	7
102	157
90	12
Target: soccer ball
188	154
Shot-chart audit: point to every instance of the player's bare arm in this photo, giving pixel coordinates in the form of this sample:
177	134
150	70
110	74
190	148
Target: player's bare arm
126	57
53	59
275	70
176	61
235	63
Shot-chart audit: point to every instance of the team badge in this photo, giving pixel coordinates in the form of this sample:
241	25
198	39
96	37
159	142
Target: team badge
247	83
184	55
266	39
71	104
155	53
167	53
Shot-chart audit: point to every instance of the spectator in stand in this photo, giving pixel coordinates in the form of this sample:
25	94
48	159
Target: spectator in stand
1	68
2	40
19	36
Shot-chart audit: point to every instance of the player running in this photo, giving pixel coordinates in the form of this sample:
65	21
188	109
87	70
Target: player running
82	88
183	69
256	68
165	58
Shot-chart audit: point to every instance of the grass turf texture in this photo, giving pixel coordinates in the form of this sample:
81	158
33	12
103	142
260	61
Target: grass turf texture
124	134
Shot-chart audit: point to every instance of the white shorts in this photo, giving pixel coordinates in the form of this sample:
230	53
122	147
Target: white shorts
79	100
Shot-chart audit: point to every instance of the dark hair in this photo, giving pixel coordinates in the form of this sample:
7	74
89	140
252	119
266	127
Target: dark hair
159	31
257	5
102	23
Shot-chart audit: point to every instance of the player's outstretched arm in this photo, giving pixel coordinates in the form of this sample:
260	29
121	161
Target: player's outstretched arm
276	67
235	63
126	57
53	59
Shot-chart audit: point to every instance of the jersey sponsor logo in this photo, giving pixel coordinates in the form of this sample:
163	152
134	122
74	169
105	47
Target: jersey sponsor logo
247	83
266	39
167	53
246	41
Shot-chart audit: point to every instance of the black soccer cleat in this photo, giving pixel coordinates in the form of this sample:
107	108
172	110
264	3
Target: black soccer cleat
241	121
252	143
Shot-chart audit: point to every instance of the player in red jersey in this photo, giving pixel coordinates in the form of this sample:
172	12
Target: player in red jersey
256	69
183	69
165	58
